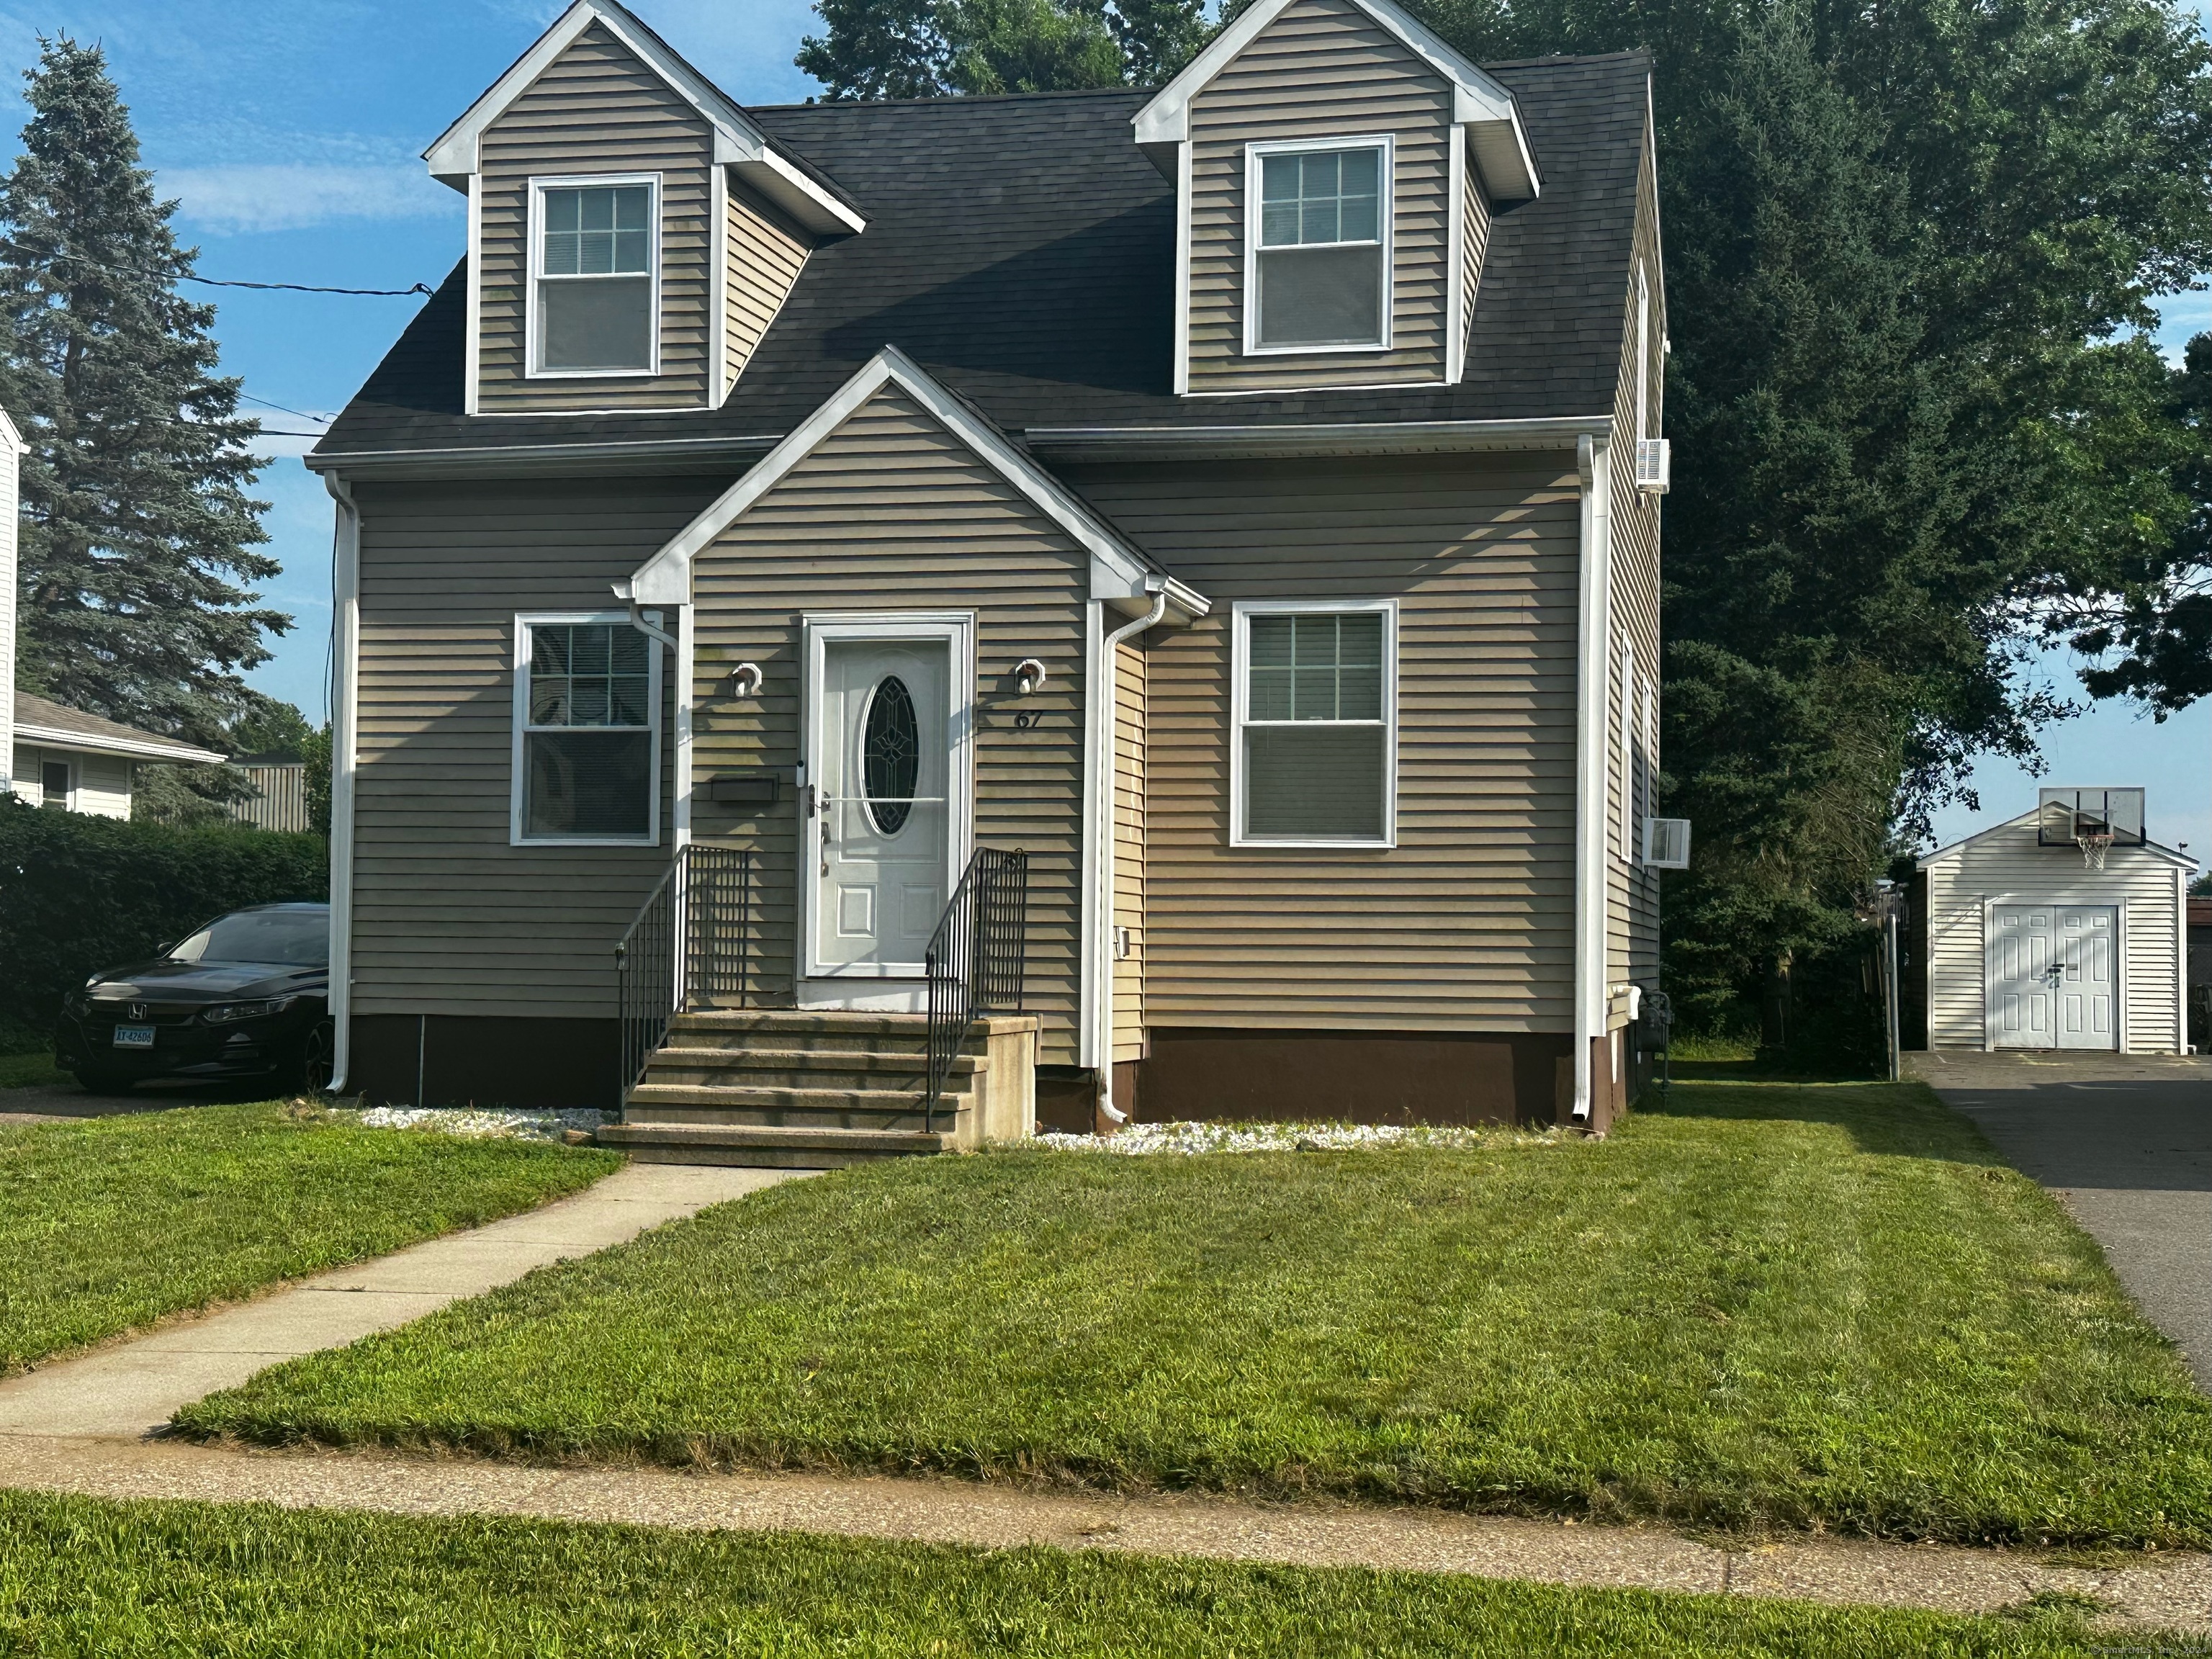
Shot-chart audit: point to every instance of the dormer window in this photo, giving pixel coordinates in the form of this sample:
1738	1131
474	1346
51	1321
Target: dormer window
1318	227
594	305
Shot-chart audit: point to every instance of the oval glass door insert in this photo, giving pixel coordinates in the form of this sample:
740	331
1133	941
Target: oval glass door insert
890	752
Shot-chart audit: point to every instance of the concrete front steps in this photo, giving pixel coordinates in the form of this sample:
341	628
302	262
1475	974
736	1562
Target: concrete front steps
821	1088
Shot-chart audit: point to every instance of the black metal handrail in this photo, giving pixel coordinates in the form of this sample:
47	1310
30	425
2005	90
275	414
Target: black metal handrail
707	894
976	959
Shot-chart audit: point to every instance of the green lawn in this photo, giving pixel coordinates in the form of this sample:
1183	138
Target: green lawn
1777	1305
109	1223
29	1071
83	1577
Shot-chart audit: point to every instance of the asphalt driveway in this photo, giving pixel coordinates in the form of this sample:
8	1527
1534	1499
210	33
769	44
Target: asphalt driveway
2125	1142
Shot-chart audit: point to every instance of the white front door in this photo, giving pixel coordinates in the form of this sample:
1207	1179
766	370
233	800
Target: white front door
883	803
2022	974
2086	976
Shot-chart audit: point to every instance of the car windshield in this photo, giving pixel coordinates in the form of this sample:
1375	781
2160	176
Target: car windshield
295	938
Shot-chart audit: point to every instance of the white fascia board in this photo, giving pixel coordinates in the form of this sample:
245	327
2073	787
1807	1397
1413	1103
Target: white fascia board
51	737
666	578
11	439
1479	101
456	157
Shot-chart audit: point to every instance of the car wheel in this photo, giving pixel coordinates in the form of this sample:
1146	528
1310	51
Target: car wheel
317	1051
96	1080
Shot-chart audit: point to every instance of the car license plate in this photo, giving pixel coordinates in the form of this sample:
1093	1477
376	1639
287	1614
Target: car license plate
134	1036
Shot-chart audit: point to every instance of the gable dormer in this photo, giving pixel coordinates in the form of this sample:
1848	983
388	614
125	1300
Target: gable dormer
632	232
1336	166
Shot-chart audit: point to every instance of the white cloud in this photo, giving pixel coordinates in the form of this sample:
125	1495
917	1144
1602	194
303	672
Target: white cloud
292	196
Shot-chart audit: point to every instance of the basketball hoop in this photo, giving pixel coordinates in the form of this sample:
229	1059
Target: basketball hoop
2094	845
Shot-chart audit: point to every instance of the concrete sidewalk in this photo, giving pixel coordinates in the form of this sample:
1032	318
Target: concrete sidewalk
2124	1142
131	1388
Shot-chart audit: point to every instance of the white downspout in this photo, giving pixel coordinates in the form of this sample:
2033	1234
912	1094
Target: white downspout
345	728
1102	943
1592	638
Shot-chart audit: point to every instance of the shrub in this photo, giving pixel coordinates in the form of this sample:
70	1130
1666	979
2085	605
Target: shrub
79	893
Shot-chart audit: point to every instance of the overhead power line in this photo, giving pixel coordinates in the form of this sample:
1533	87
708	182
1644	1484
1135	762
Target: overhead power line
22	252
319	420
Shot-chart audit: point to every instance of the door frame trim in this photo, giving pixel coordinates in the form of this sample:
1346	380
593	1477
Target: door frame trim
819	629
2116	902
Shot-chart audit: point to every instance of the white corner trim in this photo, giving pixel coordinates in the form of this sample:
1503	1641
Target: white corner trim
1256	155
666	578
1093	998
1455	258
686	656
345	742
1182	270
472	387
1478	98
1593	658
519	669
457	153
1240	657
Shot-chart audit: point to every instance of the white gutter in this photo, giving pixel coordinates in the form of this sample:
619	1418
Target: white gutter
57	737
1591	457
345	727
1105	700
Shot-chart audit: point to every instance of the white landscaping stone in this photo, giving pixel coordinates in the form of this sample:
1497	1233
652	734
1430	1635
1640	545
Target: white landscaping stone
1139	1139
482	1122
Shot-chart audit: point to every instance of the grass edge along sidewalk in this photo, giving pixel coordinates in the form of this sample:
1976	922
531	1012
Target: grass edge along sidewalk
1761	1307
124	1578
111	1223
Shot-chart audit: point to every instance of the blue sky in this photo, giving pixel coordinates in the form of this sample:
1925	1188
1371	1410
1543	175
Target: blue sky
291	133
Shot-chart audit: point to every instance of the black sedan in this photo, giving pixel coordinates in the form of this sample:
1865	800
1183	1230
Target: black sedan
246	996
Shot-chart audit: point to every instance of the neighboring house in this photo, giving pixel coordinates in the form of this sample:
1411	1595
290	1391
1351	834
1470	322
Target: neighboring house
1227	495
2021	941
280	798
82	762
50	755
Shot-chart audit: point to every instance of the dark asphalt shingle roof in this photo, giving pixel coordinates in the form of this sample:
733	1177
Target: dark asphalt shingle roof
1021	249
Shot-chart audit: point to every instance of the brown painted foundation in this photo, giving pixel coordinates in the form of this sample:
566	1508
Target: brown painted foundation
1358	1077
480	1060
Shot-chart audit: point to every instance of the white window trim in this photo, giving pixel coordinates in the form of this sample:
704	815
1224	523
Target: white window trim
1386	210
536	229
1643	353
1240	662
524	622
69	763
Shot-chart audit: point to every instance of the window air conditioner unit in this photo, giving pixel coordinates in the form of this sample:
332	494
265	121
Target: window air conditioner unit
1667	843
1655	463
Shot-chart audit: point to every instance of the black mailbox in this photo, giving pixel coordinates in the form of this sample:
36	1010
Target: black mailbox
758	786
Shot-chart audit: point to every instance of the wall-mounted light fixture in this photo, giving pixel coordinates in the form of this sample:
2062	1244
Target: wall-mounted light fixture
745	680
1029	677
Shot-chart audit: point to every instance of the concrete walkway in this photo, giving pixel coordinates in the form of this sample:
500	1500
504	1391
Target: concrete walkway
92	1425
2124	1141
132	1387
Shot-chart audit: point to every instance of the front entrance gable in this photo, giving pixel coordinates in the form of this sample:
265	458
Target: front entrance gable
1118	574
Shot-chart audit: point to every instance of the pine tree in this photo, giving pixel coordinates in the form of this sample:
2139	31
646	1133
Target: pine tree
137	534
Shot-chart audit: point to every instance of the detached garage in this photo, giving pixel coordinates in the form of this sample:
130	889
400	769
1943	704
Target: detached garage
2062	928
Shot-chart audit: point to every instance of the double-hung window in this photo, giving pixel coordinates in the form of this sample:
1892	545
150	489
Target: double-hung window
1316	702
594	309
587	731
1319	231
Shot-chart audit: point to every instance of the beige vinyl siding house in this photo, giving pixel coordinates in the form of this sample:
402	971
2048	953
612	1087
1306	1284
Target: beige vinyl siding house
967	532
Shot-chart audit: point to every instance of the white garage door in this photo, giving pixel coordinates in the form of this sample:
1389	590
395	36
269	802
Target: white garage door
2053	974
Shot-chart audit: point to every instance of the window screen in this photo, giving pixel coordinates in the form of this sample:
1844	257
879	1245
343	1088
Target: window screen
595	283
54	784
1316	738
1321	280
587	754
